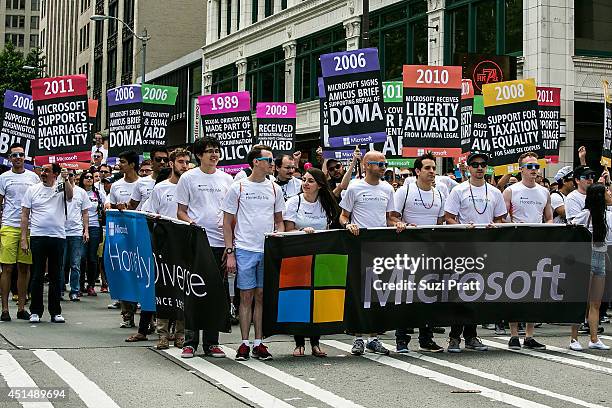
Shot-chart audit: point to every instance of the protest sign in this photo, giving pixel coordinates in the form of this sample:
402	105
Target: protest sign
92	111
353	90
276	126
323	114
157	104
432	110
227	117
467	111
511	110
549	112
61	112
394	107
606	154
479	140
18	124
124	119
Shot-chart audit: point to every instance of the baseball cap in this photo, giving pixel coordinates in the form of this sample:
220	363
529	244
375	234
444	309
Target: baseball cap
472	156
581	171
564	172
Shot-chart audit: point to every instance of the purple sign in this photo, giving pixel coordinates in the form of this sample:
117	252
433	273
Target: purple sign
19	102
350	62
124	94
18	123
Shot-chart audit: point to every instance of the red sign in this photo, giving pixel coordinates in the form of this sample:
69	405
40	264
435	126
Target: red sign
430	76
59	87
63	158
467	89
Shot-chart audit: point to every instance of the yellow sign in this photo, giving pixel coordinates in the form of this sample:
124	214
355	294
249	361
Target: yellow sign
504	93
514	168
606	162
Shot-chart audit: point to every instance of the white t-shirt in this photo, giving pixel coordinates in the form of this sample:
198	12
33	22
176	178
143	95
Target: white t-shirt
292	188
142	190
254	205
203	195
94	199
13	186
528	203
574	204
102	150
478	205
557	199
74	223
305	214
242	175
368	204
420	207
121	191
162	200
440	186
446	181
46	204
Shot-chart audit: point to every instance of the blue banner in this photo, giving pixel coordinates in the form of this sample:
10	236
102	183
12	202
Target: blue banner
128	259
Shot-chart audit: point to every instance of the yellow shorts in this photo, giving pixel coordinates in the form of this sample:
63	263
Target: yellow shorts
101	246
10	253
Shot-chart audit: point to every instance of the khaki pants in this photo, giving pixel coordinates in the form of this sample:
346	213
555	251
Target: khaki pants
163	326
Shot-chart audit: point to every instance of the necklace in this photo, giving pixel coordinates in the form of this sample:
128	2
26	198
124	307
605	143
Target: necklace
474	201
433	197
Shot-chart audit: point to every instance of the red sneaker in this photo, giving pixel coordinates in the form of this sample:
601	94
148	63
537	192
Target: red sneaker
261	352
243	352
215	351
91	291
104	289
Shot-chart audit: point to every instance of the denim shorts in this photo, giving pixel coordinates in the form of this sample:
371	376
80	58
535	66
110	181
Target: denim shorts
250	266
598	263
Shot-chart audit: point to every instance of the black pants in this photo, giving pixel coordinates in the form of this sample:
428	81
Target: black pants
468	330
46	251
425	335
145	322
300	341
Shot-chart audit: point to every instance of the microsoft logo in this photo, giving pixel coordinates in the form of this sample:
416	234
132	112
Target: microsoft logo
312	289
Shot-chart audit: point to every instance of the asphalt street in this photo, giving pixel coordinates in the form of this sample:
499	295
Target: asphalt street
88	359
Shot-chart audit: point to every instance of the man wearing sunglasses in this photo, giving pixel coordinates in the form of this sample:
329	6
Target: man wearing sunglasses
144	186
13	185
565	183
574	202
473	202
527	202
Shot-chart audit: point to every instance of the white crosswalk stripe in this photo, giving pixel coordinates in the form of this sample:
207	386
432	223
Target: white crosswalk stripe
16	377
579	354
496	378
230	381
441	378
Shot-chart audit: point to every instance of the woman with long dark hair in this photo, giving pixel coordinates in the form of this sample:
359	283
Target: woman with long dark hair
313	209
598	219
96	211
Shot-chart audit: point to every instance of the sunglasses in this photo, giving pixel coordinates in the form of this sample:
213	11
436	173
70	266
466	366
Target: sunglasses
162	159
105	171
70	174
88	177
211	151
336	167
588	177
405	176
266	159
531	166
46	170
17	154
97	156
475	165
379	164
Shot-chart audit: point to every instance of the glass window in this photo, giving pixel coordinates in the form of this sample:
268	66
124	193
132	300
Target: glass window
127	58
593	20
34	22
266	77
459	30
128	11
111	66
514	26
35	5
34	41
112	23
419	40
395	52
486	28
225	79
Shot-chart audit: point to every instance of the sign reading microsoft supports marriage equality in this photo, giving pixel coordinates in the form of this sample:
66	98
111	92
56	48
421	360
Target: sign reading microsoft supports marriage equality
331	282
353	90
18	124
549	111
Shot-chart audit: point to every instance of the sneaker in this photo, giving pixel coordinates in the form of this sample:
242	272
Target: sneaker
5	317
514	343
261	352
454	345
179	342
604	319
583	328
58	319
243	352
401	346
91	291
163	344
187	352
598	346
375	346
475	344
104	289
358	347
74	297
127	324
575	345
521	329
114	305
214	351
431	347
23	315
499	329
34	318
531	343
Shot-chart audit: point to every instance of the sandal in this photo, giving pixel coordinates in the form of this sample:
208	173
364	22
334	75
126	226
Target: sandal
136	337
317	352
299	351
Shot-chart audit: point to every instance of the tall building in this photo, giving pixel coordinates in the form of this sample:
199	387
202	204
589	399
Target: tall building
21	23
57	36
272	47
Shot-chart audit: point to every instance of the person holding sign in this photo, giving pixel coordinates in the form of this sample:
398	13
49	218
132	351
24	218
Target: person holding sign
473	202
369	203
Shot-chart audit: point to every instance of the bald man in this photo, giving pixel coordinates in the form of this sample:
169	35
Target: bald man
369	203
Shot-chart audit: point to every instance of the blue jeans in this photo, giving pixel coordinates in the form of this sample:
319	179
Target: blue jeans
72	258
90	254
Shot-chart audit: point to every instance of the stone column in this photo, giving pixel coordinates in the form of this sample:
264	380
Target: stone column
241	64
435	38
235	17
246	13
290	52
278	6
261	10
207	83
223	18
353	32
212	28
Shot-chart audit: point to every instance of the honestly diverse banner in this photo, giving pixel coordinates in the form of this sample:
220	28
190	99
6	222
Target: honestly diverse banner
393	92
606	154
18	124
432	110
276	126
333	282
353	90
61	112
227	116
467	111
549	109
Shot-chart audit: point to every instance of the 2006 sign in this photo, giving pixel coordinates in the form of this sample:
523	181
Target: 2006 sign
351	61
23	103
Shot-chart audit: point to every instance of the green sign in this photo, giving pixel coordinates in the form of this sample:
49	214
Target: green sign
393	91
159	94
402	163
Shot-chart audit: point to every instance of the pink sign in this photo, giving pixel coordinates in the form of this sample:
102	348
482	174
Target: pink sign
224	103
278	110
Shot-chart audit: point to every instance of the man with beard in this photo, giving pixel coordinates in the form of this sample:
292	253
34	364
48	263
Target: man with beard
574	202
285	167
144	186
565	182
339	178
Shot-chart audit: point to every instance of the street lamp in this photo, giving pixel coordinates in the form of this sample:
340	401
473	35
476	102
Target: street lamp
144	38
42	71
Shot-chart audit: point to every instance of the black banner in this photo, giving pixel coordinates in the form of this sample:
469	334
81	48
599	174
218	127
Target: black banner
334	282
479	139
124	106
549	110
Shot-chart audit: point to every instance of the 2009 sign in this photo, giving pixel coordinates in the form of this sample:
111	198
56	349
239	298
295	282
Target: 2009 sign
351	61
276	109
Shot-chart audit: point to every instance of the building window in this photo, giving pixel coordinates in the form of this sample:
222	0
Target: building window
593	19
15	4
265	77
268	7
14	21
34	23
111	67
254	10
16	39
99	35
127	58
307	66
34	41
225	79
483	26
128	11
35	5
97	74
112	23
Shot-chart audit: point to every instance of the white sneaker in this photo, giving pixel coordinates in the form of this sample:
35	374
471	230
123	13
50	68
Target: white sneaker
598	346
34	318
58	319
575	345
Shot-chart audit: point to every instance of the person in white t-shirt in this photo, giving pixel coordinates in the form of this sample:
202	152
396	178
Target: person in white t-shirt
77	234
44	207
574	202
144	185
420	203
527	202
369	203
473	202
285	167
13	185
98	148
565	182
256	207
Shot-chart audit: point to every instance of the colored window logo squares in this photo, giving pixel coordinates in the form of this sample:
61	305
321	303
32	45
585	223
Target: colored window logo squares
312	290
